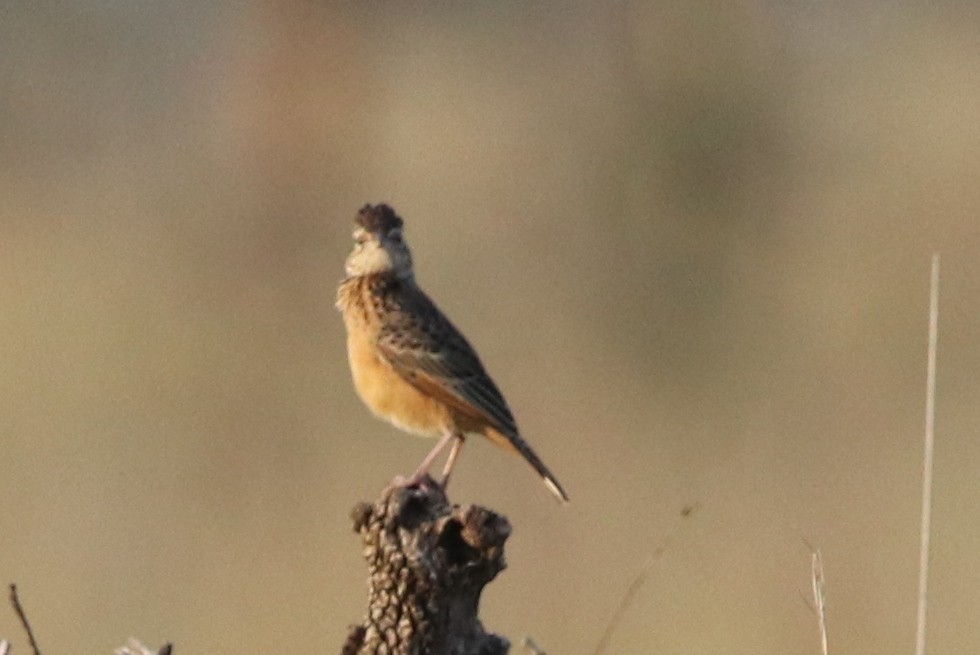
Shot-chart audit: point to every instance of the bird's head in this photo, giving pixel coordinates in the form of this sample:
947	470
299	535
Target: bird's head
378	244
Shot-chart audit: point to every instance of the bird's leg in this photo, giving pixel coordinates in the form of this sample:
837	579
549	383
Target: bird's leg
451	460
423	469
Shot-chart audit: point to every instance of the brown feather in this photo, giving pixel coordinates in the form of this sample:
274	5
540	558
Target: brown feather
410	364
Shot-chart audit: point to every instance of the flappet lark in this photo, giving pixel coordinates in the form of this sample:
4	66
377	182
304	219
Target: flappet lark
410	365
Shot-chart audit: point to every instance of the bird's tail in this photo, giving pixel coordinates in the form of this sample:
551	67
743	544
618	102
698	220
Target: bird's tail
515	443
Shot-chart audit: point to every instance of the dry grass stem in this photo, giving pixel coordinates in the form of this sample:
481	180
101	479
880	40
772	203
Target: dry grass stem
920	628
634	587
136	647
820	598
532	647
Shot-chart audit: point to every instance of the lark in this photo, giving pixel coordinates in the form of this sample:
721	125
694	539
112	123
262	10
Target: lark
411	366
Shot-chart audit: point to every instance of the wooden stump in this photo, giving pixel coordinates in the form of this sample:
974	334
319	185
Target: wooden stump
428	562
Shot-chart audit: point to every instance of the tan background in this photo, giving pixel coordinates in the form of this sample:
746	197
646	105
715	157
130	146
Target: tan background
691	242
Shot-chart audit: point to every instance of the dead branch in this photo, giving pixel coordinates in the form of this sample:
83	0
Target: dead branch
428	562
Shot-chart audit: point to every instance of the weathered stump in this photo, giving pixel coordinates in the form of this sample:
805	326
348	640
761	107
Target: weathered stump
428	562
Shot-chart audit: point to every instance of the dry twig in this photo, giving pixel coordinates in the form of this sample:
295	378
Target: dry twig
15	601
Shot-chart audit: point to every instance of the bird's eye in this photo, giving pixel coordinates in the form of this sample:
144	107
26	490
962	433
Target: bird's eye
395	235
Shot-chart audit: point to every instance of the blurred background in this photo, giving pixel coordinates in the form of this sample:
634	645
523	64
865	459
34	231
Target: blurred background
690	240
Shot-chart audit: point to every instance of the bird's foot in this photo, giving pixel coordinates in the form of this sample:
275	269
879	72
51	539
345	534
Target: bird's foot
420	479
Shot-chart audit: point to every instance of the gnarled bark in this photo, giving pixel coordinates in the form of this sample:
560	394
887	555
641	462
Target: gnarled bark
428	562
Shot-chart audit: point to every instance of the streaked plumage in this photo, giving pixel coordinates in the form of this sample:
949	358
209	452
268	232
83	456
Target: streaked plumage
410	364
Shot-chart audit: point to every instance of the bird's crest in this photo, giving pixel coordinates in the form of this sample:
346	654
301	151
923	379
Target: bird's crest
379	219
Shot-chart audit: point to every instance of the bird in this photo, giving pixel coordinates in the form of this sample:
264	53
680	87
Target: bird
410	365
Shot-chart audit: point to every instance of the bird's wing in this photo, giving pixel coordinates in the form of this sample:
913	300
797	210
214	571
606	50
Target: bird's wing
427	350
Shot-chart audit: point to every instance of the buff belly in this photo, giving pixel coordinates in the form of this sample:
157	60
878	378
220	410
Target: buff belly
390	397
